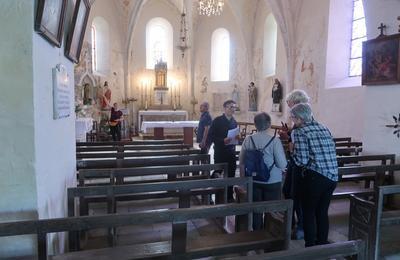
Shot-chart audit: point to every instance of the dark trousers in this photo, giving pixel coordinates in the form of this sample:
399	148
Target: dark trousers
264	192
229	157
316	192
116	132
290	190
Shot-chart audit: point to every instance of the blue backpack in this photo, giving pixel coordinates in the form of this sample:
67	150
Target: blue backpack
255	165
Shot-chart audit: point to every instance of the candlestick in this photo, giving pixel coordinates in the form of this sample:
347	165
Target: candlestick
141	91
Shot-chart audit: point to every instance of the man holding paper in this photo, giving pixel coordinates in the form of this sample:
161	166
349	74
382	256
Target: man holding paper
224	133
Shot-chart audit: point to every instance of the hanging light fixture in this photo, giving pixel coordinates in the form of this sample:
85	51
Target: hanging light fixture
210	7
183	39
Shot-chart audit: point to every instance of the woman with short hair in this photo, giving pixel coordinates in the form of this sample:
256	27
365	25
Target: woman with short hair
274	158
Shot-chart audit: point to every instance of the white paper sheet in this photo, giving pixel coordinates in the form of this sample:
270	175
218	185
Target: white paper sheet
232	135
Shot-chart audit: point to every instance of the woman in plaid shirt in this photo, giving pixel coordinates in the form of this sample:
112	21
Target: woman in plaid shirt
315	153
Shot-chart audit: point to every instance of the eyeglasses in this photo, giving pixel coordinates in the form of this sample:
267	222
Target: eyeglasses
231	107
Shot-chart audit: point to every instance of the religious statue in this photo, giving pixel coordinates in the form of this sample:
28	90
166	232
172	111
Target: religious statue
252	97
277	95
106	98
87	99
236	96
204	85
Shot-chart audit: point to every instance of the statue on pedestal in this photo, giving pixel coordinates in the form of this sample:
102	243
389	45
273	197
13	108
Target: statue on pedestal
277	95
252	97
236	96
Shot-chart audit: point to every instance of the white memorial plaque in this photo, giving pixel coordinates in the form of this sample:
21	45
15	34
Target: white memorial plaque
61	93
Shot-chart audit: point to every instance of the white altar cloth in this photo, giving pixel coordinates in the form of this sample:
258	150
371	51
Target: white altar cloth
82	126
168	124
143	113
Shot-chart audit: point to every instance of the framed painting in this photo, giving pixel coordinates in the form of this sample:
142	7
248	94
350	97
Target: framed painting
381	61
77	30
49	20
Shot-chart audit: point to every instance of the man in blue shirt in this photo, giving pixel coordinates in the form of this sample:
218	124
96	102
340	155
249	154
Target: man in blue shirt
202	129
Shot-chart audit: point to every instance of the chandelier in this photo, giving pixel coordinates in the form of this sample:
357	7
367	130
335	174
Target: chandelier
210	7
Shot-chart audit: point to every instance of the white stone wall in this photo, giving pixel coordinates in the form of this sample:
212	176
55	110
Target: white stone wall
18	198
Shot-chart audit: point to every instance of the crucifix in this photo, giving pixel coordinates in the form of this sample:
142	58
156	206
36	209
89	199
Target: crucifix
381	27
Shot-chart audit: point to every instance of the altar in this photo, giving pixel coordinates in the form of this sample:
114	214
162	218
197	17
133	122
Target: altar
159	127
83	126
161	115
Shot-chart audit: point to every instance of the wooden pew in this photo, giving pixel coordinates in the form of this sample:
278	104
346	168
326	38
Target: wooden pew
122	155
382	159
348	151
134	142
348	144
341	139
172	172
122	148
184	190
367	218
379	173
331	251
179	247
145	161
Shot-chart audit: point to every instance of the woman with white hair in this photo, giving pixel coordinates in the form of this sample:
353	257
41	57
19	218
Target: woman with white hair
314	153
289	188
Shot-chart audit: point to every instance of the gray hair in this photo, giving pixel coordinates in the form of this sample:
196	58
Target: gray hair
205	103
297	96
303	112
262	121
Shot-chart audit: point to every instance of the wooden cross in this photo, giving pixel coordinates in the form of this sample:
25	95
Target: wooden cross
381	27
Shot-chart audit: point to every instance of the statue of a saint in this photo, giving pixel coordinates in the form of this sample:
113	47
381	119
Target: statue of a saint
277	95
236	96
252	97
87	99
204	85
106	99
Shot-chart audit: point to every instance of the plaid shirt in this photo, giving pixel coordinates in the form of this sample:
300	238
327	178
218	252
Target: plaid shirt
314	149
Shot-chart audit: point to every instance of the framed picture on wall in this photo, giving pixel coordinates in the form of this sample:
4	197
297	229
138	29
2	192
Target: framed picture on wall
50	20
77	30
381	61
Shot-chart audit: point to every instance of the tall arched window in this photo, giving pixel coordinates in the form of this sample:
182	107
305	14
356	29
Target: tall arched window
220	55
358	35
100	46
159	42
269	48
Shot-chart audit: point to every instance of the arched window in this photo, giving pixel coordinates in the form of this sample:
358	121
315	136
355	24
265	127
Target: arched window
159	42
269	48
100	46
358	35
346	32
220	55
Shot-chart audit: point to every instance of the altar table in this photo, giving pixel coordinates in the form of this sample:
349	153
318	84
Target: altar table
161	115
160	125
82	126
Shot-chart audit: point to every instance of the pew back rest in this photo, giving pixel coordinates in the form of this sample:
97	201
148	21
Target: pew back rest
43	227
367	218
117	175
122	155
134	142
121	148
145	161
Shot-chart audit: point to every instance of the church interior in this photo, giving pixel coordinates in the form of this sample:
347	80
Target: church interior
66	63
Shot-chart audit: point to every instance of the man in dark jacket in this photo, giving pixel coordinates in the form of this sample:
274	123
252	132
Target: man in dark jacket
224	151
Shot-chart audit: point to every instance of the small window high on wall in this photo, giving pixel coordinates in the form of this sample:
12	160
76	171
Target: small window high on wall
159	42
358	35
269	46
100	33
220	55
